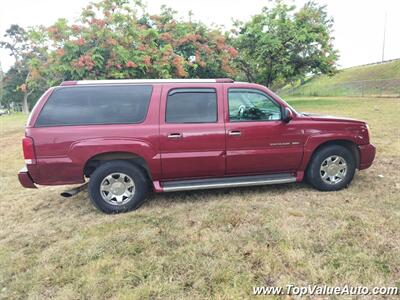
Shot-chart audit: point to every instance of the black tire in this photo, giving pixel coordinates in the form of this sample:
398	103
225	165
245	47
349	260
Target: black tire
314	174
118	166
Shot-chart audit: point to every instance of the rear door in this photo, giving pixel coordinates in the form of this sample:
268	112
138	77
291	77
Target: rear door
192	131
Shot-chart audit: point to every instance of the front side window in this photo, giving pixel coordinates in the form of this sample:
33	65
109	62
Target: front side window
85	105
191	106
252	105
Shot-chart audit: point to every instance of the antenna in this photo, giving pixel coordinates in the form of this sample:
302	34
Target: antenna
384	38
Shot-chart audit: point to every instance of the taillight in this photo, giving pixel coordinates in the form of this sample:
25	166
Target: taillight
29	150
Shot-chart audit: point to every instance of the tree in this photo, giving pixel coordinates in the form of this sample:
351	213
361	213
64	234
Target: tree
13	95
281	44
17	43
118	39
12	79
26	51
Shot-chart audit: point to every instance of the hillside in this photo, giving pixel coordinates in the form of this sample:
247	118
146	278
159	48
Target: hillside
382	80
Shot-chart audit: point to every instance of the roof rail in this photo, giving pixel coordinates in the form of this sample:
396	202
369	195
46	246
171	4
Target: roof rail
126	81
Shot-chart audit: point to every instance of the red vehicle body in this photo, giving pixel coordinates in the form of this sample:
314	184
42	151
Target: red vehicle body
62	155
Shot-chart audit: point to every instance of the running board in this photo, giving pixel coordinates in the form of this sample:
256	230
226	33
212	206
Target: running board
214	183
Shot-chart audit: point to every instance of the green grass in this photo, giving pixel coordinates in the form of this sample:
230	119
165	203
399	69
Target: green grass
372	80
206	244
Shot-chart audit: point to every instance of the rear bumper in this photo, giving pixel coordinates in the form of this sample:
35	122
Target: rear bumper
25	179
367	156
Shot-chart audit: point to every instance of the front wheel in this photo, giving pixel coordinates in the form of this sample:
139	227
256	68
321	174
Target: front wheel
331	168
117	186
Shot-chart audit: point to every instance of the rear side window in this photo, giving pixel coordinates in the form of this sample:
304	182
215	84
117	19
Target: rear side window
95	105
191	106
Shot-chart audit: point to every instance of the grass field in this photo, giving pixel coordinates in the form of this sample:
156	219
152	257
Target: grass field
381	80
206	244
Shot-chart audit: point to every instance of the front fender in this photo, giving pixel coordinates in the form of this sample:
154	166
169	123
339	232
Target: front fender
316	140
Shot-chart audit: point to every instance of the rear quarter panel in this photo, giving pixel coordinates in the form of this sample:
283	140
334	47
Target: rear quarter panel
63	151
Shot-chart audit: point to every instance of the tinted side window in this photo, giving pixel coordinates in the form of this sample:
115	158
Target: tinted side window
96	105
252	105
191	106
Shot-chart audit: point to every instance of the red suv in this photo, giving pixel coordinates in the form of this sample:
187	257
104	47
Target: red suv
128	136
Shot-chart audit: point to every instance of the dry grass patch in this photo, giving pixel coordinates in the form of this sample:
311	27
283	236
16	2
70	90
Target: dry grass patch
205	244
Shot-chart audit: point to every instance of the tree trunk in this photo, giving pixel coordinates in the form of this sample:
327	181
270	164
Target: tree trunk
25	106
269	77
247	71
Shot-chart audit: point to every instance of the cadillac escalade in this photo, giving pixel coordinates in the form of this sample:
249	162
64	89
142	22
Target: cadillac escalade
126	137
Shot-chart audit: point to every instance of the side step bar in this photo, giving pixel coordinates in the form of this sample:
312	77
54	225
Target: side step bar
214	183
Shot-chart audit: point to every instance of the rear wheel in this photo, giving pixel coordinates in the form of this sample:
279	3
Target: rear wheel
331	168
117	186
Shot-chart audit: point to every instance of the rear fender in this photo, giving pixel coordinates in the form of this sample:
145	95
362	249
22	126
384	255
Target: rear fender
82	151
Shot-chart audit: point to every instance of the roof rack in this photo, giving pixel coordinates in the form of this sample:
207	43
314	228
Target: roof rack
126	81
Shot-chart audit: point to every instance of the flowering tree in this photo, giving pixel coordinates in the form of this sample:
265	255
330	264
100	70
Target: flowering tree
118	39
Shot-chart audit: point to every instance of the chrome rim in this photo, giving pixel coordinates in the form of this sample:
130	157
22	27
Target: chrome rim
117	188
333	169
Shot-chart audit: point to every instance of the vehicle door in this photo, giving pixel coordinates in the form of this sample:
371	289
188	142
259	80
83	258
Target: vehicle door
192	131
258	140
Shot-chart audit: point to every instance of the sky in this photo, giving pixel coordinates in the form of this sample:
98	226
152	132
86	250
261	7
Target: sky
358	27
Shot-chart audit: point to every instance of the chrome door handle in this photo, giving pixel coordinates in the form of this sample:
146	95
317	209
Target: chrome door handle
234	132
175	135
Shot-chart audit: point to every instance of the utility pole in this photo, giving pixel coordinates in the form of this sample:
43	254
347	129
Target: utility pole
1	84
384	38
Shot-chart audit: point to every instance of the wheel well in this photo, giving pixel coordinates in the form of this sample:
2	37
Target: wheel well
99	159
345	143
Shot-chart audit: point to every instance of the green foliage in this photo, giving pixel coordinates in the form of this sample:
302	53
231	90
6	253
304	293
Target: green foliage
11	81
12	92
282	44
24	79
114	40
119	39
17	42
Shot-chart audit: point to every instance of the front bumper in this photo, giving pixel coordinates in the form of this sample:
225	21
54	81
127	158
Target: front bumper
25	179
367	156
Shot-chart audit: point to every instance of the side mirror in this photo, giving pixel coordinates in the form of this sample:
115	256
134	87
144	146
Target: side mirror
287	115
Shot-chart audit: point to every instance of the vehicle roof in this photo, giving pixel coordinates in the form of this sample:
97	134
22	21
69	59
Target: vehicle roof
127	81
